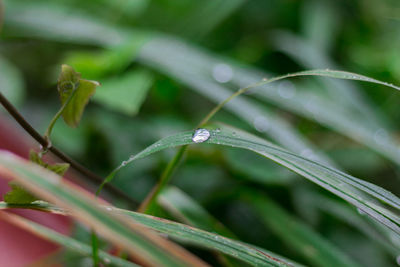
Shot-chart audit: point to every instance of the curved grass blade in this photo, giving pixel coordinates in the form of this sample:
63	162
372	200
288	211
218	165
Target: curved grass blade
371	199
144	245
298	236
189	235
62	240
194	67
311	57
263	120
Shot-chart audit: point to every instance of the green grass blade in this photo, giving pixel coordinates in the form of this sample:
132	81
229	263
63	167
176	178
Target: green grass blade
137	240
188	235
312	58
253	113
194	68
62	240
369	198
317	250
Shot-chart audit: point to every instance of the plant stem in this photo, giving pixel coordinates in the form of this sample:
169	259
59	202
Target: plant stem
77	166
164	180
55	118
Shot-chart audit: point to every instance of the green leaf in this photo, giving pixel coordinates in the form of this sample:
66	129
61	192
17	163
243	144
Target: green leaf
139	241
189	235
125	93
18	195
74	94
297	235
58	168
65	241
369	198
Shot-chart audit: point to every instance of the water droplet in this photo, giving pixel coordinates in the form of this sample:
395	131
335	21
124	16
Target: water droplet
398	260
124	163
381	136
265	79
109	208
222	73
234	133
106	260
200	135
261	124
286	89
217	130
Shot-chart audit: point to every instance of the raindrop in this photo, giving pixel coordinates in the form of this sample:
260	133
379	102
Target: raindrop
381	136
124	163
200	135
265	79
107	260
222	73
109	208
286	90
217	130
398	260
233	133
261	124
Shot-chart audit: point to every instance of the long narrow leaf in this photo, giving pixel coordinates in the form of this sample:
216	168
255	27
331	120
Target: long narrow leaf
139	241
368	197
187	235
65	241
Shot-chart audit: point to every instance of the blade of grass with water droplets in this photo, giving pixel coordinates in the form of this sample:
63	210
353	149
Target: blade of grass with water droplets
365	196
193	66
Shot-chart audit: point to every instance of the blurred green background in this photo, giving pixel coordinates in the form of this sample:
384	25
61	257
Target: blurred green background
164	64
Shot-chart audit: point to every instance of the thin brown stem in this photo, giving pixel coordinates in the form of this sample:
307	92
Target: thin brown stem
77	166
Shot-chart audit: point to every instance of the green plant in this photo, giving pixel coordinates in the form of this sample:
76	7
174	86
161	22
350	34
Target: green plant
231	198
